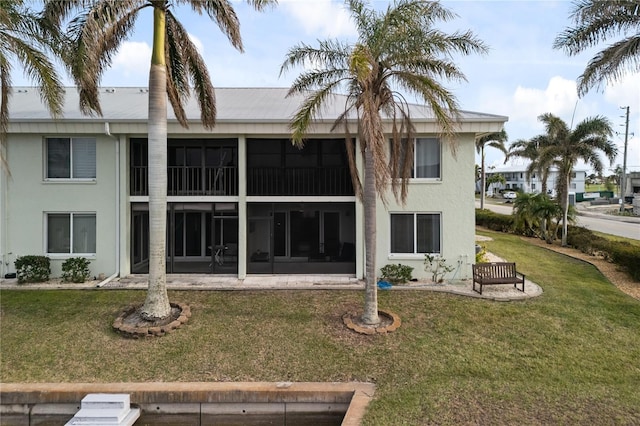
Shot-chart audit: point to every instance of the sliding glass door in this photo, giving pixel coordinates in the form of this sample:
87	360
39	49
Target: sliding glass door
299	238
201	238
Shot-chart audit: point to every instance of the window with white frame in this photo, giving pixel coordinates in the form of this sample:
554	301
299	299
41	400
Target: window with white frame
70	158
71	233
415	233
427	159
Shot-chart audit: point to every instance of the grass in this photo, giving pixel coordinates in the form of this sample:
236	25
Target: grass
597	188
567	357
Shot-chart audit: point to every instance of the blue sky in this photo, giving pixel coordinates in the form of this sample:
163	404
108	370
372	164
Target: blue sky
521	77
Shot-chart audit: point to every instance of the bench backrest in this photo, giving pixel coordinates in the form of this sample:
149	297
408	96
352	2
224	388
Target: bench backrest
495	270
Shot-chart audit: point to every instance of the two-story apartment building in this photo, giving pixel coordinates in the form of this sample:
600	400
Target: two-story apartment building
517	179
241	199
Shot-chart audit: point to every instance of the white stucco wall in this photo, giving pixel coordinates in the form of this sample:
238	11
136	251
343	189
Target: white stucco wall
29	197
453	197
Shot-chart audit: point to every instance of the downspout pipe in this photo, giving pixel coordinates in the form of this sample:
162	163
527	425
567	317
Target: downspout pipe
117	203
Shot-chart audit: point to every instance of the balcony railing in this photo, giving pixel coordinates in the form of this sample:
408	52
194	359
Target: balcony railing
189	181
299	181
272	181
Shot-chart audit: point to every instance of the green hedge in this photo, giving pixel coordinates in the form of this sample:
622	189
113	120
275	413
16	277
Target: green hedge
495	221
621	253
627	255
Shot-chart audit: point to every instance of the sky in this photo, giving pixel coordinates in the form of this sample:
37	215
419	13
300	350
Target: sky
521	77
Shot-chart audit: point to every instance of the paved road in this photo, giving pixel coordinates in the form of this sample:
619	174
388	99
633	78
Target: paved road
601	223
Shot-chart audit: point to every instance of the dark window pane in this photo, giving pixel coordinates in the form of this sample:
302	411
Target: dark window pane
193	233
59	158
428	235
84	233
58	233
427	158
84	158
402	233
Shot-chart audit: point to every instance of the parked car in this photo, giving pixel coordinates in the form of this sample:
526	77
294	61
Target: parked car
509	196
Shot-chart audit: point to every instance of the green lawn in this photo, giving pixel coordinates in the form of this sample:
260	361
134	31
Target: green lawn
569	356
598	188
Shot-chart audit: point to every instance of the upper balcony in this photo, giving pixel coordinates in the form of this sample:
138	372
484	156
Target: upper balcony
274	167
266	181
189	181
317	181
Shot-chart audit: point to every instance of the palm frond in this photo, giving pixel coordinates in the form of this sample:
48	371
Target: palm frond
224	15
184	65
97	33
28	40
596	22
611	64
309	110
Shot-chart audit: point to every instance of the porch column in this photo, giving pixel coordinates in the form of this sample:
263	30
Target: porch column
124	251
360	247
242	207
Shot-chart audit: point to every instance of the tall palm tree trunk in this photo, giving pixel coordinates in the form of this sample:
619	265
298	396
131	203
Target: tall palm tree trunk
370	315
565	208
156	305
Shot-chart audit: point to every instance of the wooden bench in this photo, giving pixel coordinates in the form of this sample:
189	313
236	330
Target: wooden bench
496	273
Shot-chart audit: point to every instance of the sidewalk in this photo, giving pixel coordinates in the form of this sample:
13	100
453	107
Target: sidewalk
280	282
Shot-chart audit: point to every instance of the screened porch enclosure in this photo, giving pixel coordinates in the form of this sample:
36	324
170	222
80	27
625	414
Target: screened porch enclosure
202	238
301	238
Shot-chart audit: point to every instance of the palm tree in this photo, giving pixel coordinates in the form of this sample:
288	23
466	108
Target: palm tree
399	48
566	147
596	21
97	32
26	39
549	212
493	140
530	150
525	220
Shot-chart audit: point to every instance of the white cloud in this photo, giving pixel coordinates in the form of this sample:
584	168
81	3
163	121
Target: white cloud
625	92
133	59
198	43
324	18
558	98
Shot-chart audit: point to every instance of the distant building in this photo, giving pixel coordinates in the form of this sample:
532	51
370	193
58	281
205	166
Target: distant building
632	184
516	179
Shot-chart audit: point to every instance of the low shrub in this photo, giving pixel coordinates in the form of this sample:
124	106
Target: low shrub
495	221
481	255
586	241
437	266
396	273
33	269
76	270
626	255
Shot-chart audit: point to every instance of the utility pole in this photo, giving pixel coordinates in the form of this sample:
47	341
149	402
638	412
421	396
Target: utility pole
624	162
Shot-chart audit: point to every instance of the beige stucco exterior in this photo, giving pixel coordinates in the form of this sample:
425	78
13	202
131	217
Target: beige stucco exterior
29	196
452	197
26	196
